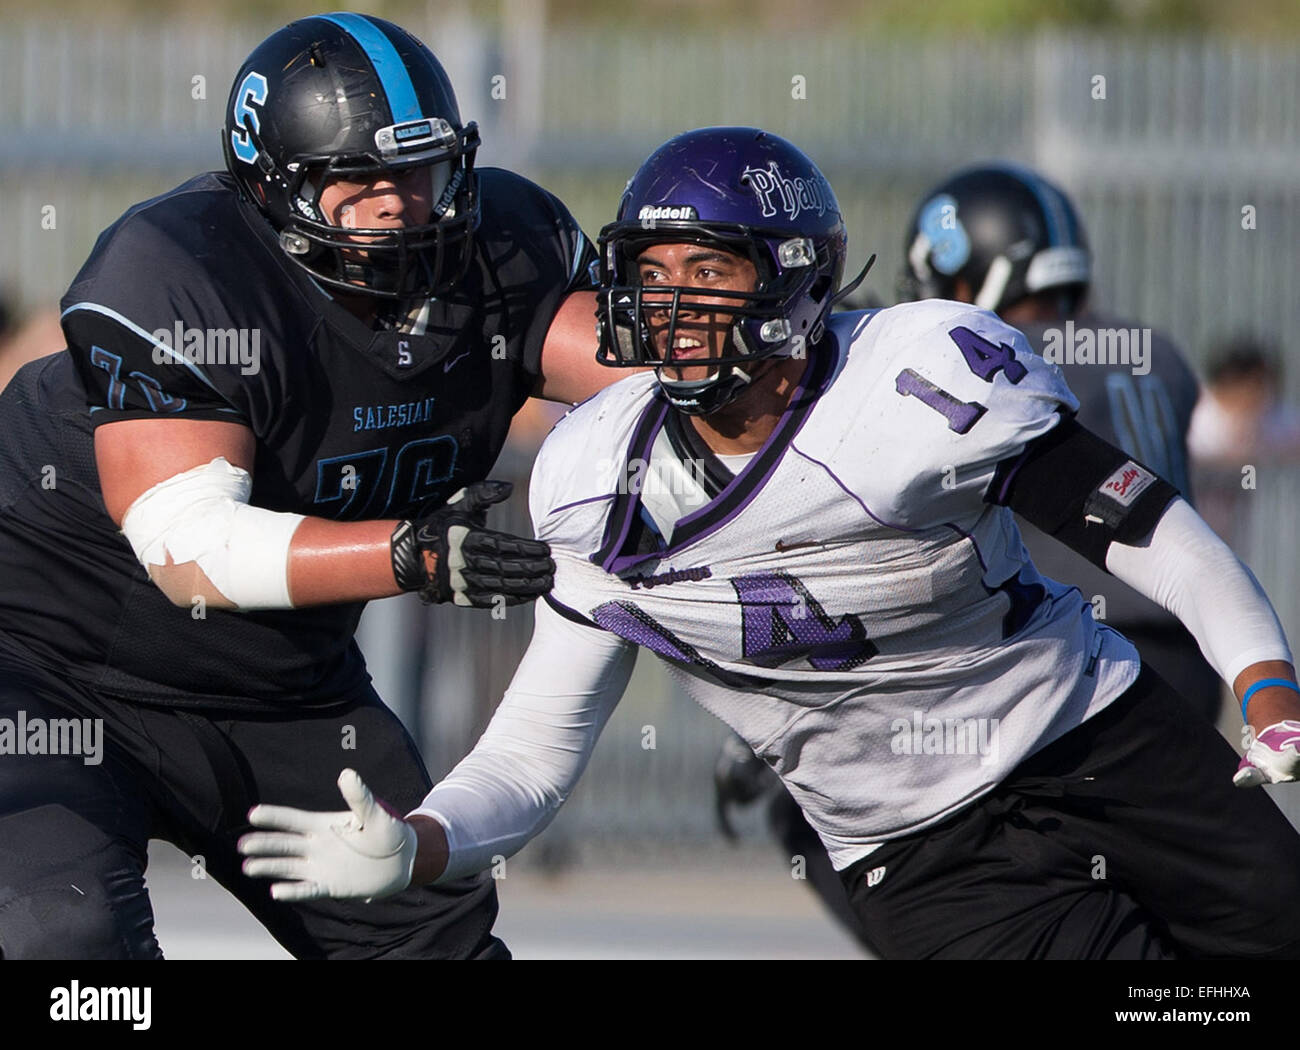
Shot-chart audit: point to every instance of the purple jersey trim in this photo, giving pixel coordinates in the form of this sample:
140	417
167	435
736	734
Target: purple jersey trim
881	521
580	502
737	495
1001	499
853	495
1014	469
626	505
969	536
570	614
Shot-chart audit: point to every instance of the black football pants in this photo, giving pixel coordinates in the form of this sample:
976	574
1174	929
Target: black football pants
1123	839
73	836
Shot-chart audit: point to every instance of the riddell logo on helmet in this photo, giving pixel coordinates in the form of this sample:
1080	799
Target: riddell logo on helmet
655	212
793	195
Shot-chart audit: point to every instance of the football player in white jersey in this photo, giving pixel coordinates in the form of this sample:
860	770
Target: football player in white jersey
808	518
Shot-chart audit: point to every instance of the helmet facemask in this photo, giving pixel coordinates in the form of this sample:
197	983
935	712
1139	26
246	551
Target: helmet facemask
403	262
779	318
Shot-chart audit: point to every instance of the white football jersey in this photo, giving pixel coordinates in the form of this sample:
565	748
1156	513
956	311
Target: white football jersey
849	604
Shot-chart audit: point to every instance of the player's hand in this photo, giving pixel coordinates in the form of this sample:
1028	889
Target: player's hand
469	564
1272	758
363	851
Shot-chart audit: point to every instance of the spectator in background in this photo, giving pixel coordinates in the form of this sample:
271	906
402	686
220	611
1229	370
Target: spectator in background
1241	416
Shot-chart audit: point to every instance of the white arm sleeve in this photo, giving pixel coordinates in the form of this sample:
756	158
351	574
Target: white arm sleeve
530	756
1186	569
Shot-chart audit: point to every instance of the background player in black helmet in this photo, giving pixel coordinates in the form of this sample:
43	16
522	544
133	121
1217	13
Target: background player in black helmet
1006	239
278	380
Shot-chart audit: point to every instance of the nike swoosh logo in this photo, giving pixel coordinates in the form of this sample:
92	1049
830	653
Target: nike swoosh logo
452	363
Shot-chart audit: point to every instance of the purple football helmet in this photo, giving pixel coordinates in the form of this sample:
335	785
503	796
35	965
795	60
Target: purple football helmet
748	192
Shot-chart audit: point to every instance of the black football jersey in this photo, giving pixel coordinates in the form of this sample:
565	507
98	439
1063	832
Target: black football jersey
188	308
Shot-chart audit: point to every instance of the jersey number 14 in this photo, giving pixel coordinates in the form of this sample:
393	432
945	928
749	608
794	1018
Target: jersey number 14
984	358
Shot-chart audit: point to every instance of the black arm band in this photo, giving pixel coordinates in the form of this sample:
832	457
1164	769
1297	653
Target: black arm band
408	568
1082	490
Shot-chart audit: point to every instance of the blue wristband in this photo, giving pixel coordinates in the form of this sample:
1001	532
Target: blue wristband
1260	685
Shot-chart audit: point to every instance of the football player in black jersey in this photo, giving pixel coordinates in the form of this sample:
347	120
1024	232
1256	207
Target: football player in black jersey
279	379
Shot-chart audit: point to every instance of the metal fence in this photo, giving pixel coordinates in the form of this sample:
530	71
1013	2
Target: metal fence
1190	131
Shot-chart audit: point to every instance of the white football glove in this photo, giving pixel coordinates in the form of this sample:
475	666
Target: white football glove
1272	758
363	851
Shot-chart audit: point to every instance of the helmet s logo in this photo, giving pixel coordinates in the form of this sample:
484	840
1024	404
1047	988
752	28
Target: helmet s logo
949	242
252	92
793	196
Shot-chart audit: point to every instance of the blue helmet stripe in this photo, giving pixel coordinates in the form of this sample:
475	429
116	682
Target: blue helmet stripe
393	77
1053	212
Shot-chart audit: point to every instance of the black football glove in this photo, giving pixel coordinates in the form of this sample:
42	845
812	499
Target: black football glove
449	555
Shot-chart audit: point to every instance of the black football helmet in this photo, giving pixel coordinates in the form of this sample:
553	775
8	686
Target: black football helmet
352	95
751	193
1003	229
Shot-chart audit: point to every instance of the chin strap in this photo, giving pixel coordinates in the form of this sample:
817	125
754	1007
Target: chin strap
852	286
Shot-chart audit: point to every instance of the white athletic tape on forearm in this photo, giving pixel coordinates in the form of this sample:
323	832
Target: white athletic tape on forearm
203	516
1186	569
